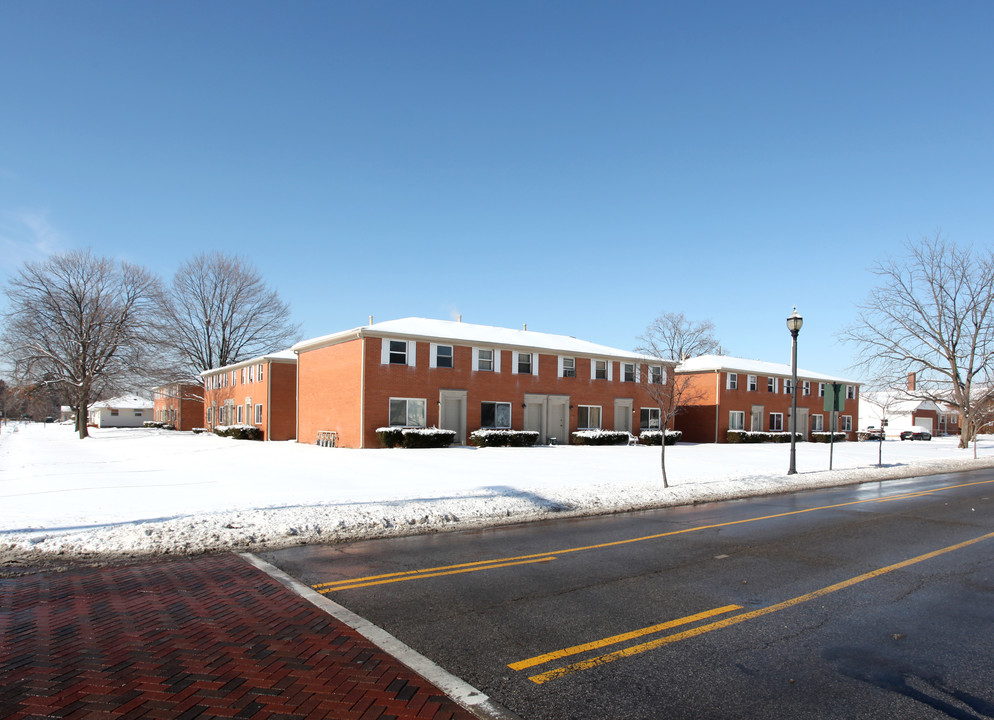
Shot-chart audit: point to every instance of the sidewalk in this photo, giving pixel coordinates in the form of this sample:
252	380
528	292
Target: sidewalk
209	636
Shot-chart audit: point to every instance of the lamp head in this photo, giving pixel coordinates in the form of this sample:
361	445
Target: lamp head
794	322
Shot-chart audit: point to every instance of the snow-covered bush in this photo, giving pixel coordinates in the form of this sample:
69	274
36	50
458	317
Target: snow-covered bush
824	437
655	437
600	437
757	436
415	437
485	437
198	431
238	432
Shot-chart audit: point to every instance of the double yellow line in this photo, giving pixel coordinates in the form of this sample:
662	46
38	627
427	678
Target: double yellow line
497	563
702	629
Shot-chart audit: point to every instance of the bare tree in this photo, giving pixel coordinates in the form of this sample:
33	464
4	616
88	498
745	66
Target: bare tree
81	325
931	315
677	338
221	312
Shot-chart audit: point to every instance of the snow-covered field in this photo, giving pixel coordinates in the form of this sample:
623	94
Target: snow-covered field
134	491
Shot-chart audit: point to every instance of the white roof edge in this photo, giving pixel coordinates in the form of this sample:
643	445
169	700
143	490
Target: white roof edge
288	356
717	363
471	334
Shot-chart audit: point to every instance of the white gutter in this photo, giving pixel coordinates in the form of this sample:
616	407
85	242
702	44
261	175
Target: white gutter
362	394
717	402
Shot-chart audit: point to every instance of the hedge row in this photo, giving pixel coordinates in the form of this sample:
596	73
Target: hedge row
415	437
157	424
655	437
824	437
503	438
752	436
239	432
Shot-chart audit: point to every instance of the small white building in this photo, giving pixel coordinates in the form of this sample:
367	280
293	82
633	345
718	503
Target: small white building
124	411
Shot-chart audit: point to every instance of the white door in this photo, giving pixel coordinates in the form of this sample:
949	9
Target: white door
623	415
452	413
558	419
756	421
535	415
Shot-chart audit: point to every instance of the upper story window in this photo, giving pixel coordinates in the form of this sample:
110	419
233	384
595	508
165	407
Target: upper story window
806	387
752	383
850	392
485	360
732	382
398	352
261	365
441	356
567	367
821	389
772	384
524	363
628	372
600	369
655	374
788	386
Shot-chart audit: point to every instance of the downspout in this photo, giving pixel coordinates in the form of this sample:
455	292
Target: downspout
296	395
717	402
269	402
362	395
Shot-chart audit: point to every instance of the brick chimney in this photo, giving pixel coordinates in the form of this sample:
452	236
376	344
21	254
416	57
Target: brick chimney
911	382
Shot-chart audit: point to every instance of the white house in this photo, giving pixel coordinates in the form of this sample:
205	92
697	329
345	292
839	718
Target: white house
124	411
903	413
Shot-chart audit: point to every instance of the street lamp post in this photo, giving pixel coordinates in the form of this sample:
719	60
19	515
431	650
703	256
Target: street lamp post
794	323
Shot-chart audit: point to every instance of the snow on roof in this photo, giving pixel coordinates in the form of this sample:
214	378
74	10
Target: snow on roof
468	333
714	363
124	402
281	356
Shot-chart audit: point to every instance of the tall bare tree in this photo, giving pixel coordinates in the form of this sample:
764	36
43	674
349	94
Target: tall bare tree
220	311
678	338
81	324
933	315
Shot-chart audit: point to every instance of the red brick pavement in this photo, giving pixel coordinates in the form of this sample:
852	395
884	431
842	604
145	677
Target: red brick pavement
204	637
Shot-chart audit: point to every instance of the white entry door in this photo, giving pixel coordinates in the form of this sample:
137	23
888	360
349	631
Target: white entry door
452	413
623	415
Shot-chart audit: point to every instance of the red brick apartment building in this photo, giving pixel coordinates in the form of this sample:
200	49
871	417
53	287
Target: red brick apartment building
416	372
260	392
179	404
737	394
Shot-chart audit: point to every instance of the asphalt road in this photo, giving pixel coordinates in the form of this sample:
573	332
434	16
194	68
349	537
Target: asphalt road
874	601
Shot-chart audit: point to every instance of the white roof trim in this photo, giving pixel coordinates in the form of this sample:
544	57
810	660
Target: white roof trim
724	363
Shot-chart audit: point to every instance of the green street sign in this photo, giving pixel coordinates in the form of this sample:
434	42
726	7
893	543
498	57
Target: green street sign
835	397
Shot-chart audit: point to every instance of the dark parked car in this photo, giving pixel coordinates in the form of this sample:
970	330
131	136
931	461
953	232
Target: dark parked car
916	433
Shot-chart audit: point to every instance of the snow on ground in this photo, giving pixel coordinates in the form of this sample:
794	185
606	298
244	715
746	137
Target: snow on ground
135	490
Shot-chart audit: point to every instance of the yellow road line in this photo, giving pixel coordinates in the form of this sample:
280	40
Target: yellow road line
613	640
358	584
735	619
521	559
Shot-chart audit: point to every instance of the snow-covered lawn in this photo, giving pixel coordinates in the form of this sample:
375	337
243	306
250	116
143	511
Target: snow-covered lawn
155	491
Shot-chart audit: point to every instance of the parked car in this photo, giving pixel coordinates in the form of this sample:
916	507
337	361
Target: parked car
874	433
916	433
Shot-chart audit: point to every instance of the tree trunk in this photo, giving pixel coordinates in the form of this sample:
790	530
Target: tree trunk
662	458
81	408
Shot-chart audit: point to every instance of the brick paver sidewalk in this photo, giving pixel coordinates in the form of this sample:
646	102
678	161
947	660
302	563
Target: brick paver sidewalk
203	637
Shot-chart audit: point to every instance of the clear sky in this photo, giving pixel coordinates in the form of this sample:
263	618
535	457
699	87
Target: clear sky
577	166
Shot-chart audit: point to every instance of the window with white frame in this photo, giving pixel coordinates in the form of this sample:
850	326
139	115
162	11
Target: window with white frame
485	360
398	352
210	414
238	415
776	422
627	372
788	386
258	414
567	367
732	381
736	420
261	365
495	415
588	417
649	419
846	423
752	383
772	384
818	423
600	369
806	387
407	412
821	389
655	374
850	392
442	355
524	364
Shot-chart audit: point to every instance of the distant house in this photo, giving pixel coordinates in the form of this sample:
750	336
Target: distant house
730	393
179	404
66	413
903	413
418	372
261	392
124	411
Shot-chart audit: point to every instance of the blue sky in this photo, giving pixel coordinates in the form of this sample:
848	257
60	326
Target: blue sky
577	166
